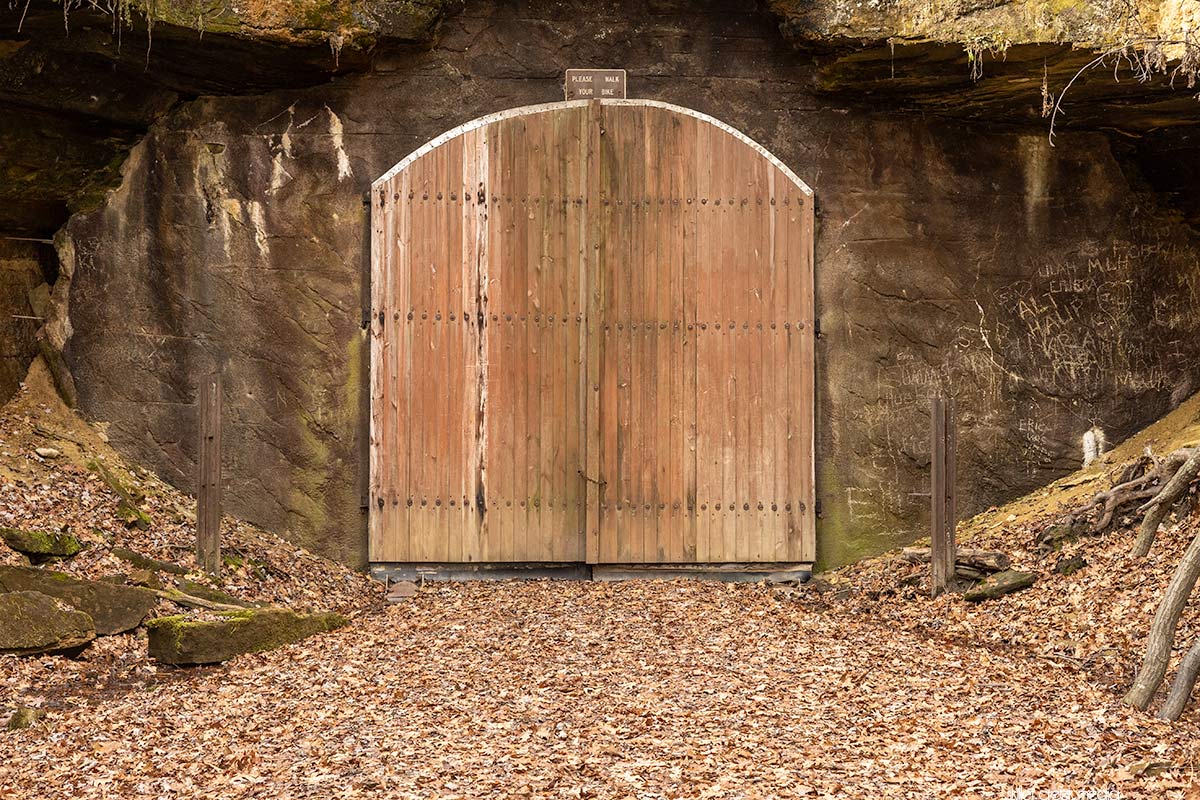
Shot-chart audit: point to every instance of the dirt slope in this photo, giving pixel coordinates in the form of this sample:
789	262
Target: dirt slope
75	490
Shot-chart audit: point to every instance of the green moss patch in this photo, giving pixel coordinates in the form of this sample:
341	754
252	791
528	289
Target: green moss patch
182	639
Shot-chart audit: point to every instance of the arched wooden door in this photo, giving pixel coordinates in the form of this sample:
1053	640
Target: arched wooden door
592	341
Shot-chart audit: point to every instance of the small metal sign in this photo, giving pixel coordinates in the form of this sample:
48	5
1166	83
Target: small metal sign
601	84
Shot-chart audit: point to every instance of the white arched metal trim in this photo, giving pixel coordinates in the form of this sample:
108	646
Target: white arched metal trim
542	108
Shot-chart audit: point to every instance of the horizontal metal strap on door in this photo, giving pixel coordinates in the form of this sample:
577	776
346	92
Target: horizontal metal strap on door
648	326
440	502
676	505
713	202
531	318
470	318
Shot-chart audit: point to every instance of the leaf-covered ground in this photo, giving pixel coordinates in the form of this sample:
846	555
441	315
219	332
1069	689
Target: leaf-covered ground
860	687
609	690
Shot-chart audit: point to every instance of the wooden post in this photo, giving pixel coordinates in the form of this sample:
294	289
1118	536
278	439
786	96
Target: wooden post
944	517
208	493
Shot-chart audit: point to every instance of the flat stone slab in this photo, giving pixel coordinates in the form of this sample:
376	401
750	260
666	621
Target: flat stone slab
41	545
112	607
145	562
36	623
184	640
1000	584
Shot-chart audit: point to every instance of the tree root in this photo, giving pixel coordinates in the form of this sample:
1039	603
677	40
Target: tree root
1162	630
1157	508
1147	478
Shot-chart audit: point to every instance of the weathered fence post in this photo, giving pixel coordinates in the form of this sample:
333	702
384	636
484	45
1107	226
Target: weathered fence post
942	544
208	494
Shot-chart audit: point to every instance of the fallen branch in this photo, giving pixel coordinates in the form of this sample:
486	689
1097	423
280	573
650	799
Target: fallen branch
176	596
982	560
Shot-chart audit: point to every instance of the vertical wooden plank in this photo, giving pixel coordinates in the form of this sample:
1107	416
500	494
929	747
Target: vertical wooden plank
661	144
208	494
401	495
740	233
937	494
533	222
754	353
798	504
510	377
443	377
689	158
599	384
605	246
951	555
708	444
463	519
477	498
375	453
807	304
731	280
672	310
777	416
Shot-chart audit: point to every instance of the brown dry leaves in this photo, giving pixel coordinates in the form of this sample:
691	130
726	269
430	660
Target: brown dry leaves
648	690
609	690
52	493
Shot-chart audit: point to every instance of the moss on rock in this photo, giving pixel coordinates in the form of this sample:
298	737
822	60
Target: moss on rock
38	623
112	608
24	717
182	639
41	545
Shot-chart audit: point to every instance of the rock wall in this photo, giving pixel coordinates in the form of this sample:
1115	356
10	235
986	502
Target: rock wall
23	295
1042	287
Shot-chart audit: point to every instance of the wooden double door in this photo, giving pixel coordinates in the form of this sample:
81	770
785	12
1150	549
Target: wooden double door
592	341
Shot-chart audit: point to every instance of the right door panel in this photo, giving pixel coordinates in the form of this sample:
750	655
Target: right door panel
705	427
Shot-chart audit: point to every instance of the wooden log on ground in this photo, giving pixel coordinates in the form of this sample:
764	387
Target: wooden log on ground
982	560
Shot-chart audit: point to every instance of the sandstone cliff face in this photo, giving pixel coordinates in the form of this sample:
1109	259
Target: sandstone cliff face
23	294
1044	287
989	23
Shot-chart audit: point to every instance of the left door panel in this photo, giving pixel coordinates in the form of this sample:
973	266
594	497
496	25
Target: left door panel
477	327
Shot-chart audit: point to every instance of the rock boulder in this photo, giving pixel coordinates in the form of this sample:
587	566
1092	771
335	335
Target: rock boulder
112	607
183	640
36	623
41	545
1000	584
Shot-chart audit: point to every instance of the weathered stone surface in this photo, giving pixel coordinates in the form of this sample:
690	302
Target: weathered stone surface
1000	584
401	591
1069	565
37	623
950	257
23	717
24	266
990	23
182	640
970	557
1059	533
41	545
63	147
113	608
147	563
